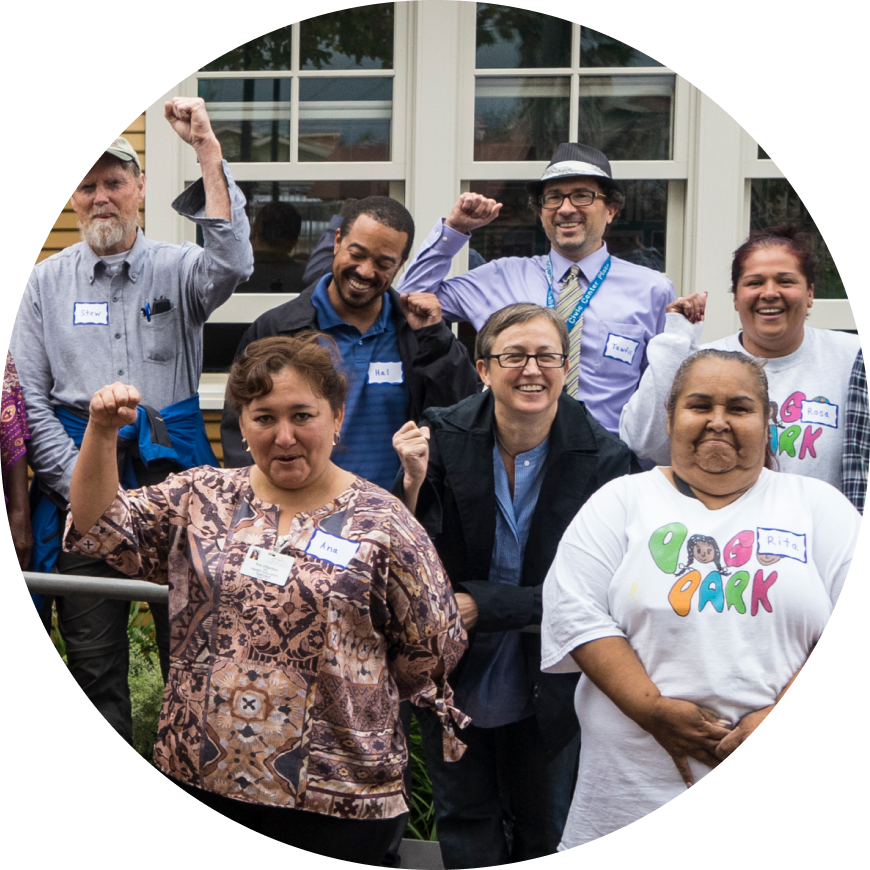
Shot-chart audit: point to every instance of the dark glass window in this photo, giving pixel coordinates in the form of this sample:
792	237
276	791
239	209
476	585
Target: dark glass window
509	38
352	39
268	52
600	50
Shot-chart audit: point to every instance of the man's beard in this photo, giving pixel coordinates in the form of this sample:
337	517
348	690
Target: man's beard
104	235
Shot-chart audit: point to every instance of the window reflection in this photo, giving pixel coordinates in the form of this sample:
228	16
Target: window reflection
628	117
250	117
268	52
638	234
599	49
520	118
509	38
289	220
775	203
352	39
344	119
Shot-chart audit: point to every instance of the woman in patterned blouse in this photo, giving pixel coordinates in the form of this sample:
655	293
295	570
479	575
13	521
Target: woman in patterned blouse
305	603
13	435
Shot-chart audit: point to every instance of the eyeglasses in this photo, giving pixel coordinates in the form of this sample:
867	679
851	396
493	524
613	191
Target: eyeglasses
521	360
578	198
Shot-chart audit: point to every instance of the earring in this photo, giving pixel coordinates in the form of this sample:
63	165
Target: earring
245	444
336	439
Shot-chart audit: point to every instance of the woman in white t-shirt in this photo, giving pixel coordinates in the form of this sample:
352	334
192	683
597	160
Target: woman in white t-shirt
689	597
773	278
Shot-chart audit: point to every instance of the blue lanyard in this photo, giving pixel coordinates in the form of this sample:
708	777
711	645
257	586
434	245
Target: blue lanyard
584	300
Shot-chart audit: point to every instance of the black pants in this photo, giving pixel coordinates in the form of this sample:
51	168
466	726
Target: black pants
94	630
364	841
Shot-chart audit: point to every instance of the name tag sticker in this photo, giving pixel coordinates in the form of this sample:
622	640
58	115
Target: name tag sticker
385	373
821	413
92	313
776	542
330	548
267	566
620	348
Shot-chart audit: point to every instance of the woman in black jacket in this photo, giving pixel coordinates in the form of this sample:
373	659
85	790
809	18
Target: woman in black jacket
495	480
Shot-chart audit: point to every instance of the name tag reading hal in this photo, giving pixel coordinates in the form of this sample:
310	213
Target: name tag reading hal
267	566
90	313
620	348
330	548
385	373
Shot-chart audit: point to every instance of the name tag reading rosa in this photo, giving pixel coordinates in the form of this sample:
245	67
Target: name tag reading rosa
90	313
330	548
267	566
620	348
822	413
385	373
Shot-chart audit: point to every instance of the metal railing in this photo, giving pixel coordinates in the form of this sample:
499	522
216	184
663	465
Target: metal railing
102	587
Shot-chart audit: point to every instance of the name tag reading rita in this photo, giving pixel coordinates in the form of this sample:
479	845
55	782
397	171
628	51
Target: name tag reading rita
620	348
90	313
778	542
267	566
385	373
330	548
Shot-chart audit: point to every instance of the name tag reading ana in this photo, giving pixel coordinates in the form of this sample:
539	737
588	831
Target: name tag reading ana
620	348
330	548
267	566
385	373
90	313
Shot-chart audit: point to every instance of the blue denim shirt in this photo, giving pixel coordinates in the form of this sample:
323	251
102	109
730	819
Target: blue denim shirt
493	689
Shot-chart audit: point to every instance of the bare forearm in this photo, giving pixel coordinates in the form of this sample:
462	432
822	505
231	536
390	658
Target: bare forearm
95	477
613	666
410	492
217	195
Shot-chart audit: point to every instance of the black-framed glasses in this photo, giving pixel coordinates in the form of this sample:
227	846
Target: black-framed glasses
578	198
521	360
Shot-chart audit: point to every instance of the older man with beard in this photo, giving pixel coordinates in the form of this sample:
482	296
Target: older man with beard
119	306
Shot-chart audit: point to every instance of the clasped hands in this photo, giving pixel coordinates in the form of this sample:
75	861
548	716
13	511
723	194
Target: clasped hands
686	730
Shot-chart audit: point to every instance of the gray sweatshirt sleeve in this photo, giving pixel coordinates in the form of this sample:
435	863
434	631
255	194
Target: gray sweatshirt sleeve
643	424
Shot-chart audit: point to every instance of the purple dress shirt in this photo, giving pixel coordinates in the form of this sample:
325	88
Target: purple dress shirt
625	313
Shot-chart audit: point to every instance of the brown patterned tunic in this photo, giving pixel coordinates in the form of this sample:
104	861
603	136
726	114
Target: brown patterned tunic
288	695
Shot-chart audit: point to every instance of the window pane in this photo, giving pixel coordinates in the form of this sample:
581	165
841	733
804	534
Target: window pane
762	154
509	38
599	49
271	51
628	117
287	220
353	39
250	117
520	118
775	203
345	119
639	232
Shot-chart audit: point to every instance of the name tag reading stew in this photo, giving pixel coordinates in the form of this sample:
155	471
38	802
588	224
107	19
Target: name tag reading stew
90	313
330	548
620	348
267	566
385	373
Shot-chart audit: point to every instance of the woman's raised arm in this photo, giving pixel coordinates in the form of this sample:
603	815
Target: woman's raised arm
95	476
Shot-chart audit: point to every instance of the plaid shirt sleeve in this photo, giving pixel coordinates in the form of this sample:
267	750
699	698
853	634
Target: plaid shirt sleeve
856	450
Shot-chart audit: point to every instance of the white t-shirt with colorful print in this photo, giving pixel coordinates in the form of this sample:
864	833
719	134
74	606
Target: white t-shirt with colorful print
807	390
722	607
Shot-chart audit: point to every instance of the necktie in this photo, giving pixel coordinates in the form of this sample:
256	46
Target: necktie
568	299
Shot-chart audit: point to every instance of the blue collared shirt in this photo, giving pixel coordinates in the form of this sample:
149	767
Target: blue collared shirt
493	689
376	406
626	312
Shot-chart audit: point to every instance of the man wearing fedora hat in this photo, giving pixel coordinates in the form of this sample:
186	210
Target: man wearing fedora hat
118	306
612	307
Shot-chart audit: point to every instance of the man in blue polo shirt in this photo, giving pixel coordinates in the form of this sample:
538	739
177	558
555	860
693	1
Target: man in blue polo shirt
399	355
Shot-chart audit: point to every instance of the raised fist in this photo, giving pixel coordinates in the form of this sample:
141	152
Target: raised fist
114	406
472	211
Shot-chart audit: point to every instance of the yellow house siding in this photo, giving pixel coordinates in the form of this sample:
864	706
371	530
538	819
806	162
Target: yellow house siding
64	232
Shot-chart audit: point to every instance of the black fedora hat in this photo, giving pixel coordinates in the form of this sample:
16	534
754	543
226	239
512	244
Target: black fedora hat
571	160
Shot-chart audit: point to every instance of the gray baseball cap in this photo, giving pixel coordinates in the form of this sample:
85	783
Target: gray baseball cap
123	150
